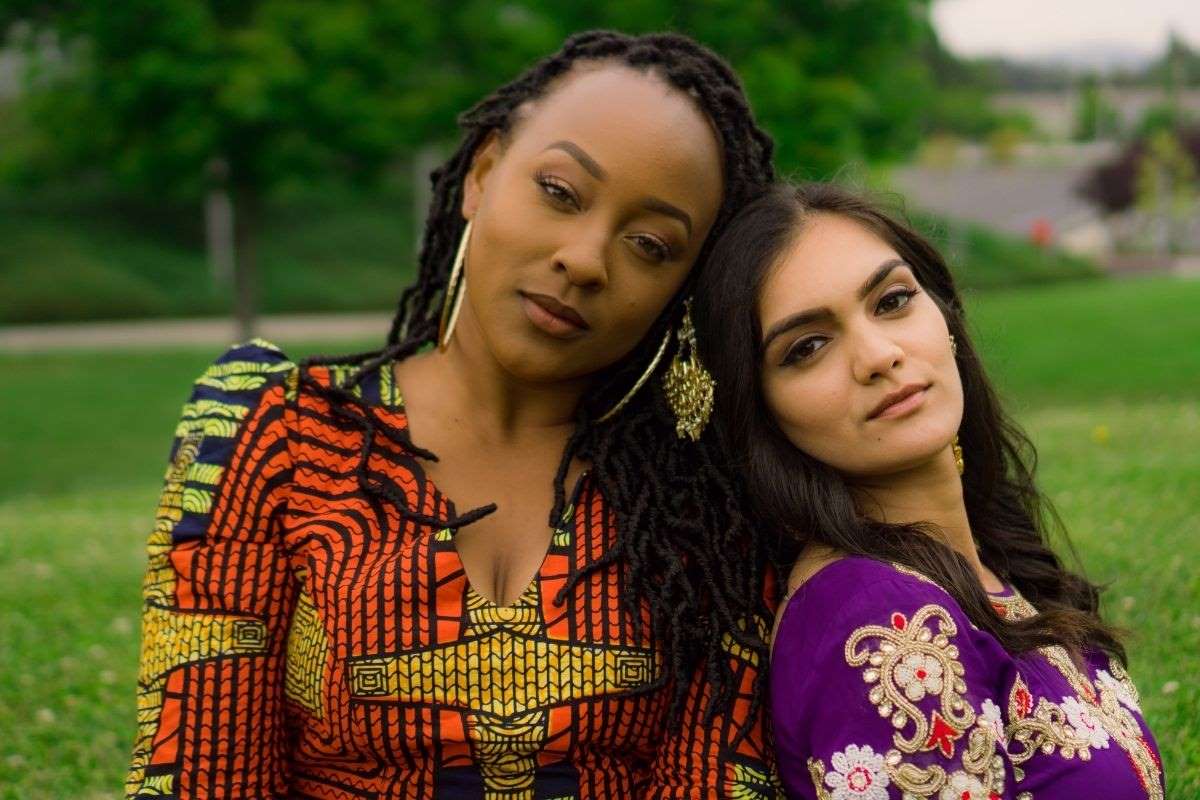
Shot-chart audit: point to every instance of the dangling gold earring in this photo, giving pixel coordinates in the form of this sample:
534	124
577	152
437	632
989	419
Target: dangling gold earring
689	386
953	346
454	292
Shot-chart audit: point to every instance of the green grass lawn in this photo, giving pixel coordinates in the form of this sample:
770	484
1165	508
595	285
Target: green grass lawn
1105	375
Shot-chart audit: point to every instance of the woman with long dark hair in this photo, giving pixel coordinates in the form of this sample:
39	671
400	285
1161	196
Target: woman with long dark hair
932	644
493	558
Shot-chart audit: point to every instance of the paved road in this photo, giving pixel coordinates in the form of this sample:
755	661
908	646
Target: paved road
154	334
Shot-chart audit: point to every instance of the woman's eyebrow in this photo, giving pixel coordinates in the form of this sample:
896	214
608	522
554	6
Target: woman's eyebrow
881	272
795	321
663	207
576	152
599	173
823	313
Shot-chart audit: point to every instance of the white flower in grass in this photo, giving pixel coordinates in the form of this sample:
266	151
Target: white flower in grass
859	775
962	786
1108	682
1085	723
918	674
989	718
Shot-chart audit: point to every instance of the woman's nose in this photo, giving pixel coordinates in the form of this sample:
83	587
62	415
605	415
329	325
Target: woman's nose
584	259
875	355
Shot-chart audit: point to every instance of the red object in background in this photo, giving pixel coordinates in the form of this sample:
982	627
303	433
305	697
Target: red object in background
1041	232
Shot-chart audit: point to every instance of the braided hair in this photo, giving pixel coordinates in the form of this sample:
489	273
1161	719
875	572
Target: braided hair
683	544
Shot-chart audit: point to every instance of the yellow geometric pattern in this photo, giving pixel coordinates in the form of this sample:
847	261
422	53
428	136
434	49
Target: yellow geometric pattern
307	652
172	638
506	676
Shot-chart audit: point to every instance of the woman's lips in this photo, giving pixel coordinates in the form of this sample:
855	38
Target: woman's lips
552	317
910	400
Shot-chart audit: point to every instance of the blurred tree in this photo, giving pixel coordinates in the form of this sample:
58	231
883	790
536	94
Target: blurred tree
1095	117
1167	191
188	98
1113	186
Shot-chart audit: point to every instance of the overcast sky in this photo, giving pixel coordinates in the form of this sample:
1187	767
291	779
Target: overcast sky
1046	28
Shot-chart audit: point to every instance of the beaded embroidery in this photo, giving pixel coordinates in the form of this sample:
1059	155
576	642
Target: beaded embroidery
905	663
1098	714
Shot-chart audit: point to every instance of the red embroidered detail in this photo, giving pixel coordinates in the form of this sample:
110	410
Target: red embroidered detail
942	736
1024	702
1001	610
899	621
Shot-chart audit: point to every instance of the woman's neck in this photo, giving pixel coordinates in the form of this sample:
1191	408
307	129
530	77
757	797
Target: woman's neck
929	493
473	387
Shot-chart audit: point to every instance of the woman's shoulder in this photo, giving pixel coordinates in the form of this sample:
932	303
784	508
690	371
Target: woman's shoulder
847	592
247	368
844	583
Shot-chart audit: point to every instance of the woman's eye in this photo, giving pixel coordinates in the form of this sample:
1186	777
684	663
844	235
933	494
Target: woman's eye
804	349
653	249
557	191
894	301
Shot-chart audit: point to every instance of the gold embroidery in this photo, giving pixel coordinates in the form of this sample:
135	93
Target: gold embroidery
908	662
901	670
1081	723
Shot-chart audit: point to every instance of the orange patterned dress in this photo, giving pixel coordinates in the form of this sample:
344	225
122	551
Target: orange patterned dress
301	640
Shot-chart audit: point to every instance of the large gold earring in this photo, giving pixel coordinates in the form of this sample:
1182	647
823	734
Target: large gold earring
958	455
456	290
641	381
689	386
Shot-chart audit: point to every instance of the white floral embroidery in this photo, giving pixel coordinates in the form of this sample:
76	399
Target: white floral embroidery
962	786
1107	681
1084	722
989	717
859	775
919	674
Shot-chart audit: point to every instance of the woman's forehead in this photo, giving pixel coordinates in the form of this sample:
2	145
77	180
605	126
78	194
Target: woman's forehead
626	120
825	262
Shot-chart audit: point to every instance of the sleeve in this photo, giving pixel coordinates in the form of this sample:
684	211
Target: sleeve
714	757
217	592
886	692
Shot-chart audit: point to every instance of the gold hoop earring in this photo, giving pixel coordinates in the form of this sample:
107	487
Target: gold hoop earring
641	381
689	386
454	292
956	448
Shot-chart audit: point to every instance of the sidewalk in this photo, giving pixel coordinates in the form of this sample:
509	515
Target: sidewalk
171	333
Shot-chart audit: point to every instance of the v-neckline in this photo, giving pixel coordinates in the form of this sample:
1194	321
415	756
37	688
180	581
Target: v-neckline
568	518
392	399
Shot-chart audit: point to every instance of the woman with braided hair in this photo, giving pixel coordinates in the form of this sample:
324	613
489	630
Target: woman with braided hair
494	558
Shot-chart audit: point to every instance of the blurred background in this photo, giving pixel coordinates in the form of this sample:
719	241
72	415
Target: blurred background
177	173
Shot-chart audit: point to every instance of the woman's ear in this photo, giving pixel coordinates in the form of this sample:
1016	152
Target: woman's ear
485	159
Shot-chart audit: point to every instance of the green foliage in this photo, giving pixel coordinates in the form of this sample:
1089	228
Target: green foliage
153	90
85	256
1095	117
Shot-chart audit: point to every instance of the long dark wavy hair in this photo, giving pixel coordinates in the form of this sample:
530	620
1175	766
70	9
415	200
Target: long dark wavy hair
802	500
679	517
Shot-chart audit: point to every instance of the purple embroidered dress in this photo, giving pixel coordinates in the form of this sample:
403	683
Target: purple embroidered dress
882	689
